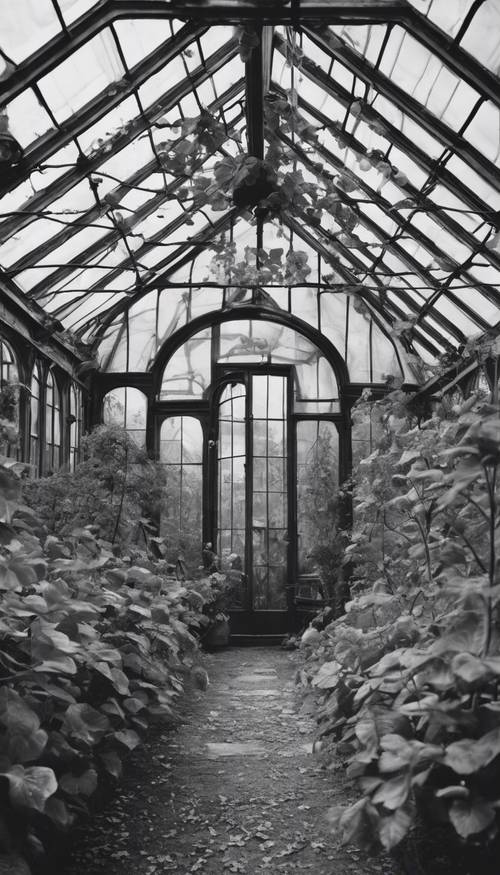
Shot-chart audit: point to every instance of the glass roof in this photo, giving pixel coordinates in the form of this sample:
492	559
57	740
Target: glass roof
381	120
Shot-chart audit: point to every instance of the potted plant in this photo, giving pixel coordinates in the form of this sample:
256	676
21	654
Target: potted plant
217	611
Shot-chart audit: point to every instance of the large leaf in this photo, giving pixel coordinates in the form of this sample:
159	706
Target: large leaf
26	747
57	811
471	817
393	793
115	676
79	785
468	667
328	675
85	723
393	829
129	738
57	665
16	715
468	755
112	763
30	788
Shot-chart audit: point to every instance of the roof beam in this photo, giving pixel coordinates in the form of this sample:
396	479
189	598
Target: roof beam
105	12
399	251
462	63
92	165
194	245
109	240
444	220
442	320
407	104
95	212
386	207
344	97
93	111
367	295
220	12
254	76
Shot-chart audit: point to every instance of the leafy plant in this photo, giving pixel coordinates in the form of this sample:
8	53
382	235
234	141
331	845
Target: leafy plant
116	487
408	679
93	651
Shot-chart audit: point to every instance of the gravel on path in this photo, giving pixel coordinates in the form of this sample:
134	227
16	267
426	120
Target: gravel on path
236	788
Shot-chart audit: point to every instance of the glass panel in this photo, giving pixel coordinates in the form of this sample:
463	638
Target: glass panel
9	403
35	388
317	487
270	500
231	493
187	373
181	452
127	407
75	429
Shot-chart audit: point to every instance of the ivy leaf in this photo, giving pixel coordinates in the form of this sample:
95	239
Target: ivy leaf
468	755
30	788
79	785
112	763
393	793
469	667
470	818
16	715
25	748
58	812
129	738
57	665
85	723
393	829
328	675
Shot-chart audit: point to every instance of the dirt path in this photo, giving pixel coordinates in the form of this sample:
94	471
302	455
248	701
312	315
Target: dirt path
236	789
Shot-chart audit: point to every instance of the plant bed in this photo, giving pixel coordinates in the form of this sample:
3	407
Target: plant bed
405	683
94	650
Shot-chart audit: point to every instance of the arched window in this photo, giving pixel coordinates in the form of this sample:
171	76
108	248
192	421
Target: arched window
75	427
35	393
8	400
127	407
52	424
181	453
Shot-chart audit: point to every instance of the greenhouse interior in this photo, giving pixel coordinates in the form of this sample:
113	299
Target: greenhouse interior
249	405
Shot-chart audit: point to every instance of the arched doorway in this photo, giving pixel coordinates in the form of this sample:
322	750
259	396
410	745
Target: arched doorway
266	396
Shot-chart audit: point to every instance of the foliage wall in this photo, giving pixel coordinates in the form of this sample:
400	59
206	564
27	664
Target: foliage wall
116	487
93	651
406	682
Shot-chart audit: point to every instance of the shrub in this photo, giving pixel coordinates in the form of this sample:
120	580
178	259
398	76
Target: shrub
407	680
115	487
93	650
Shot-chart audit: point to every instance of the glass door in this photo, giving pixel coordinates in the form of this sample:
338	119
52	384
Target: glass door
270	493
252	498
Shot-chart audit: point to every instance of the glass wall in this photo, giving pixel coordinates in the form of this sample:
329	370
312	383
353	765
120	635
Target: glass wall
35	398
317	489
270	492
181	453
52	425
75	428
231	480
9	403
127	407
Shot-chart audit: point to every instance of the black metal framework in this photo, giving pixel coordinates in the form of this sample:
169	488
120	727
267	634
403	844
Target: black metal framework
396	279
9	377
52	411
35	429
75	425
250	474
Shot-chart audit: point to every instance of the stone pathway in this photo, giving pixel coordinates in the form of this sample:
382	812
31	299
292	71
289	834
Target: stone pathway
235	789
